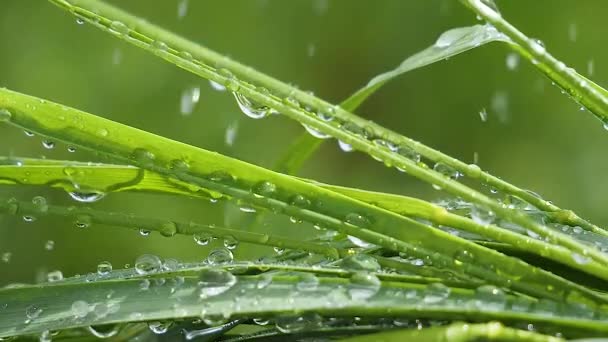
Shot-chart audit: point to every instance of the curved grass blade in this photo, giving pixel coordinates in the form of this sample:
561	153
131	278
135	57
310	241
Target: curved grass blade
449	44
458	332
109	178
222	296
84	217
360	134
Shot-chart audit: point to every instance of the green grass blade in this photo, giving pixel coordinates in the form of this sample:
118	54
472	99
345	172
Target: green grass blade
449	44
590	95
34	309
458	332
111	178
241	181
358	133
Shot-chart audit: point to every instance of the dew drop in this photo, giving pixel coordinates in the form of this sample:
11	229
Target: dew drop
28	133
40	204
489	297
345	146
158	327
144	232
105	333
220	256
230	242
79	21
359	243
104	268
537	46
32	312
147	264
168	229
250	108
580	259
361	262
83	221
264	189
213	282
71	149
307	282
202	239
49	145
482	216
86	197
363	285
119	27
316	133
80	309
29	218
6	257
436	293
5	114
483	115
54	276
217	86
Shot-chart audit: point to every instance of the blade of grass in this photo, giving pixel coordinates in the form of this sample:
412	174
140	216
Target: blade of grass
109	178
458	332
582	90
34	309
361	134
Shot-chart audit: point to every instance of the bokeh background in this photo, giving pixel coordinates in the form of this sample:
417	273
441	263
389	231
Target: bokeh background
534	136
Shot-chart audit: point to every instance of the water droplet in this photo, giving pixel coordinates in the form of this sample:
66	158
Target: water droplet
144	232
307	282
482	216
32	312
230	242
49	245
512	60
213	282
83	221
28	133
217	86
448	38
182	9
359	243
363	285
147	264
5	114
40	204
537	46
29	218
358	220
189	99
316	133
345	147
104	268
580	259
6	257
86	197
279	250
80	309
436	293
79	21
48	144
220	256
361	262
264	189
483	115
71	149
489	297
159	46
261	321
54	276
300	201
247	209
104	332
447	171
250	108
158	327
202	239
119	27
168	229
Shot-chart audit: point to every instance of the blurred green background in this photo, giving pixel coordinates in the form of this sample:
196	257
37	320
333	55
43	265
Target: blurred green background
534	136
